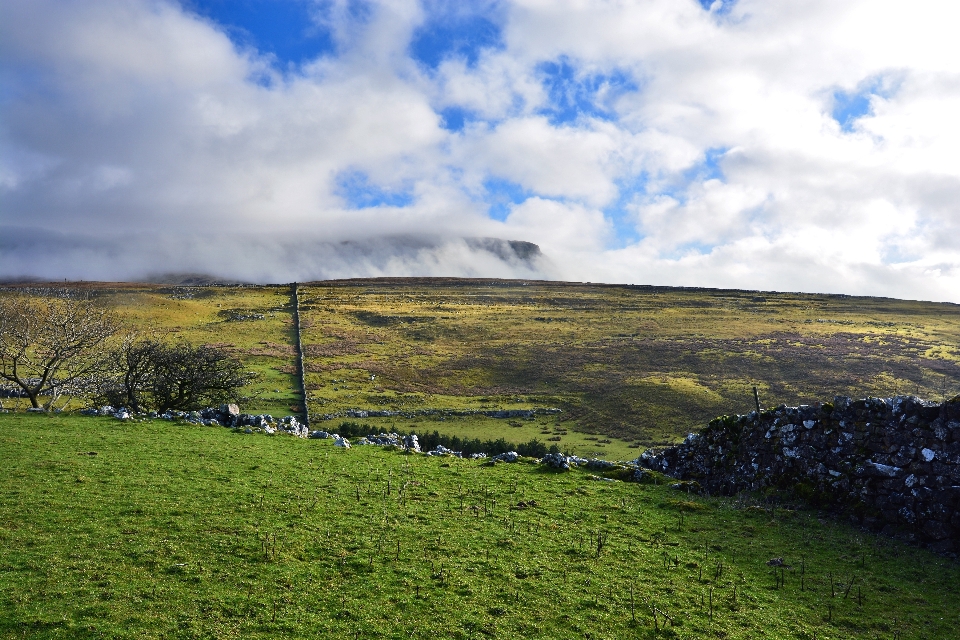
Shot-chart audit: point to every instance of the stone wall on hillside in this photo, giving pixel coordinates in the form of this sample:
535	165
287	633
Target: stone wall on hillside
891	463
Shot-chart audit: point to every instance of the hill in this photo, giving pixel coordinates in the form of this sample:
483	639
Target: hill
631	366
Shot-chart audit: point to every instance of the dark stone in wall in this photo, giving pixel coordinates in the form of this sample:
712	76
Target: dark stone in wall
892	463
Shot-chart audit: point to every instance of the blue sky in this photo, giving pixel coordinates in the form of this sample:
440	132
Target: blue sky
574	94
738	143
358	192
851	105
291	30
459	30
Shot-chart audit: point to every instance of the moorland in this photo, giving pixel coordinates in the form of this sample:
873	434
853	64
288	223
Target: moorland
630	366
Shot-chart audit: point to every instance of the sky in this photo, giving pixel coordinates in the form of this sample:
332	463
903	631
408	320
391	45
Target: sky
790	145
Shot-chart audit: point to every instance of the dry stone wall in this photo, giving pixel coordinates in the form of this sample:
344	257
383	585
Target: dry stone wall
893	464
301	369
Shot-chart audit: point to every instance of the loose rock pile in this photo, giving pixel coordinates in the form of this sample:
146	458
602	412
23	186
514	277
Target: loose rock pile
893	464
562	462
441	450
9	391
227	415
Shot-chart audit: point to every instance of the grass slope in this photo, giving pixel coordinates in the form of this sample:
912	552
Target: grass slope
157	530
641	364
635	366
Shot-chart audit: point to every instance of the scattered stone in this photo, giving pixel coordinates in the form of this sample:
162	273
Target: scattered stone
601	478
557	461
441	450
229	410
411	443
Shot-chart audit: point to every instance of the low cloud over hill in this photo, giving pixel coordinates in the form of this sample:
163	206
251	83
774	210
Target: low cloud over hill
232	258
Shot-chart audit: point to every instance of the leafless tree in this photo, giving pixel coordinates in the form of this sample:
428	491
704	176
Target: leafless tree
47	344
145	373
189	377
131	370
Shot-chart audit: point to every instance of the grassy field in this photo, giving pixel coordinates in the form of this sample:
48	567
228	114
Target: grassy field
642	365
547	429
631	367
159	530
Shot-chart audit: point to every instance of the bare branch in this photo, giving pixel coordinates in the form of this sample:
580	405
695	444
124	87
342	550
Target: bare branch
46	343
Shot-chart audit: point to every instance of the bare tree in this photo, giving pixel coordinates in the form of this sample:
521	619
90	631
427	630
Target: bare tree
132	364
187	377
47	344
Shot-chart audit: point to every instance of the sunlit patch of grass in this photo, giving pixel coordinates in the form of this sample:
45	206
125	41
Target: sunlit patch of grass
205	315
685	385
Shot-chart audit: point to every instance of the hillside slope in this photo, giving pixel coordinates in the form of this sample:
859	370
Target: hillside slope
633	365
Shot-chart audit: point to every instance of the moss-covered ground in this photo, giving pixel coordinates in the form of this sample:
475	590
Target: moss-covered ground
114	529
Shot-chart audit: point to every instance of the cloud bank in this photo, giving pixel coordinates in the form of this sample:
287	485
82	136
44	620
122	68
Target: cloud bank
755	144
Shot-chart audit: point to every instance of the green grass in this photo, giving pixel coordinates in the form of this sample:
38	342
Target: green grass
180	531
205	315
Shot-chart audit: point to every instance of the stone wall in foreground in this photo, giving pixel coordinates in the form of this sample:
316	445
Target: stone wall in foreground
891	463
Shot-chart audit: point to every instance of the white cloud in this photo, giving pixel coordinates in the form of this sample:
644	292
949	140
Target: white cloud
142	125
553	161
559	228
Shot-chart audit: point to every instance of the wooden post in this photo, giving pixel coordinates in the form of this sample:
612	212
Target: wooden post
756	398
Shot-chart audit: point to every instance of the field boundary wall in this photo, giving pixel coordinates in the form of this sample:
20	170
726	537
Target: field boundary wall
892	464
301	369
